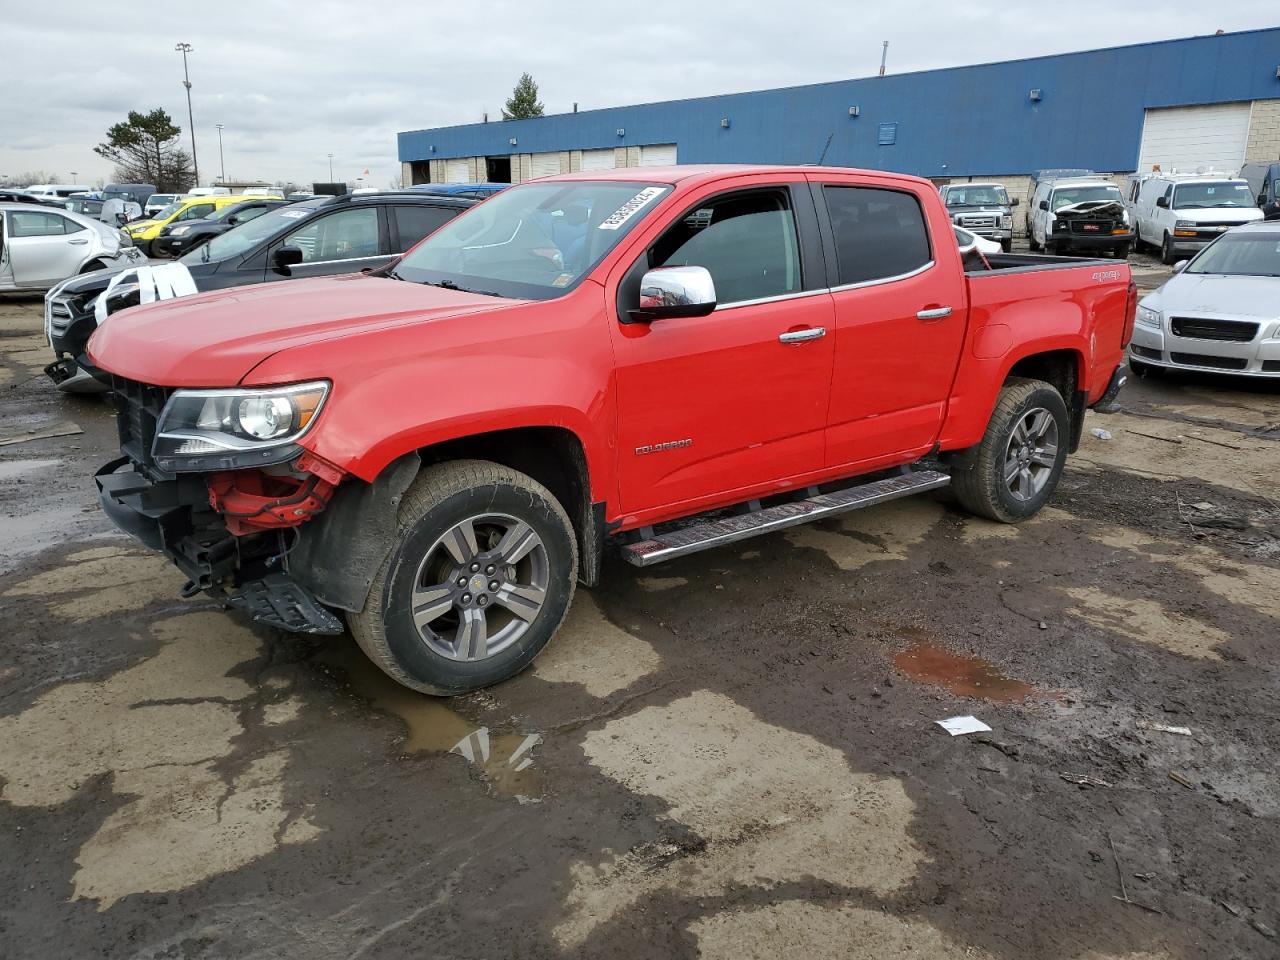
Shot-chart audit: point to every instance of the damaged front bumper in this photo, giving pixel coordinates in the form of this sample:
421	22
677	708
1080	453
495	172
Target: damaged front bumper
173	515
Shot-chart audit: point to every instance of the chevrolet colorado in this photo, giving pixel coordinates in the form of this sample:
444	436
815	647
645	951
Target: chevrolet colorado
655	360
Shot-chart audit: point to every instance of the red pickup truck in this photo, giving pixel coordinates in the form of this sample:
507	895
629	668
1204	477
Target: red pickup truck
652	360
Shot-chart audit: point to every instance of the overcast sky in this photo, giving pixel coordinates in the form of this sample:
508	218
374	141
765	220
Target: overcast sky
292	82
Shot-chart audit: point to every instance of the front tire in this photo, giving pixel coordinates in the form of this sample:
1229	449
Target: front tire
1167	256
1006	246
1020	459
480	577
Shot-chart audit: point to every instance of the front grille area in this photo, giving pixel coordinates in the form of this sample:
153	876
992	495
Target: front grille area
1203	328
138	408
971	222
1201	360
1092	228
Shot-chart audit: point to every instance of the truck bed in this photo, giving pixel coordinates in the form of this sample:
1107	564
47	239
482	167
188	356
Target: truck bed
1025	262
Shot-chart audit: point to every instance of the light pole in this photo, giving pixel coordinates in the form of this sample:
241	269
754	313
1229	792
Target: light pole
184	49
221	161
331	168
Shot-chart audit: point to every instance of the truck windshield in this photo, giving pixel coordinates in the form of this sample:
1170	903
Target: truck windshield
1240	255
535	241
984	196
1202	196
1066	196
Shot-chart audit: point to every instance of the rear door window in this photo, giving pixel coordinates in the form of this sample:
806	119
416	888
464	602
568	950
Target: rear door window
747	241
416	220
878	233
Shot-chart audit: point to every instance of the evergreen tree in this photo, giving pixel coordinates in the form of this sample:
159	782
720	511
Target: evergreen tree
145	150
524	100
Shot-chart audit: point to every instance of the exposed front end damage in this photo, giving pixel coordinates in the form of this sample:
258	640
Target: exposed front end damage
229	531
1091	225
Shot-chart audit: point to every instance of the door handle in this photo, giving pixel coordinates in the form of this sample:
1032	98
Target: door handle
802	336
78	242
933	313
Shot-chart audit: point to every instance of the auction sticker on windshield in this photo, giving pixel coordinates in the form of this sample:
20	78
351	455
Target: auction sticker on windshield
631	208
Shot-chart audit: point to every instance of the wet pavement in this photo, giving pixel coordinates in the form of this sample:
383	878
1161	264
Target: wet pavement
730	756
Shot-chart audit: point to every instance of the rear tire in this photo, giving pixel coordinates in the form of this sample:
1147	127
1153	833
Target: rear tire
433	619
1020	459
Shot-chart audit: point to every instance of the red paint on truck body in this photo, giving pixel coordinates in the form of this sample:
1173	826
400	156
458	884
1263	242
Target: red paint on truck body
414	365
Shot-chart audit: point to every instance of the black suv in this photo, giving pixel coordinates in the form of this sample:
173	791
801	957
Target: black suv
313	238
179	238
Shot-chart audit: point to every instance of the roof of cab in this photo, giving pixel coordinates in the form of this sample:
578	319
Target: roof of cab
714	171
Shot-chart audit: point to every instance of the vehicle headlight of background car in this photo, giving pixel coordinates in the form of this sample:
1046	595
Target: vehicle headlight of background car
216	429
1184	228
1146	317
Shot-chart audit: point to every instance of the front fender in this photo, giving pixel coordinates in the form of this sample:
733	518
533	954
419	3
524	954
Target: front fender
397	390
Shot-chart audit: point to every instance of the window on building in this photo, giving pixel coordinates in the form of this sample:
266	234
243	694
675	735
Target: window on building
747	241
878	233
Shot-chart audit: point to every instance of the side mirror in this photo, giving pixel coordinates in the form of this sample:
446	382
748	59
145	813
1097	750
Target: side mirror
1162	202
1262	199
286	257
669	292
1044	204
1014	202
1180	266
232	220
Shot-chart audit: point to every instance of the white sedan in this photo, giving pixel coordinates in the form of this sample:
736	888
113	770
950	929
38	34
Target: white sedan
970	241
41	246
1219	312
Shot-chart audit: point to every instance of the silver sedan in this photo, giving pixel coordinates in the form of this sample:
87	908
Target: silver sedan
42	246
1219	312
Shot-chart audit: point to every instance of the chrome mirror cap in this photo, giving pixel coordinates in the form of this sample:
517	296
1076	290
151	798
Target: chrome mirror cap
667	292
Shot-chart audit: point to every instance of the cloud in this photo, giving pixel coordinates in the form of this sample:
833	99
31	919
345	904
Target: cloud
291	83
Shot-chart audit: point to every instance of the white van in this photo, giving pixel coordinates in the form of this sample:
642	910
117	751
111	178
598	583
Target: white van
1079	214
209	192
1180	213
57	189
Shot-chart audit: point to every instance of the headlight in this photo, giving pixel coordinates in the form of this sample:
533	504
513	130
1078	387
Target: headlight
1006	221
1147	317
1184	225
179	231
229	429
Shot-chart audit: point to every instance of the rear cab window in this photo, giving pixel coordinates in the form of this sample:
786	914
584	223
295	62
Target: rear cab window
879	233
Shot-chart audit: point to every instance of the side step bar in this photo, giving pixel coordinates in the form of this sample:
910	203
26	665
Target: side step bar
716	533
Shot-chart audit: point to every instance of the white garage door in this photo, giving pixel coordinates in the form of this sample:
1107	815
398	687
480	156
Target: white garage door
658	155
598	159
457	171
543	165
1188	138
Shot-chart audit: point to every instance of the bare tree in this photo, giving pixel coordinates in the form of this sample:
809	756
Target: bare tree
145	150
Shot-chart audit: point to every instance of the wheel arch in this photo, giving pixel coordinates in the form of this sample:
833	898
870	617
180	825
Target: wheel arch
337	552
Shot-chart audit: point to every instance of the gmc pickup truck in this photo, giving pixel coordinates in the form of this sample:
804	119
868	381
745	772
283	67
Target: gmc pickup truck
652	361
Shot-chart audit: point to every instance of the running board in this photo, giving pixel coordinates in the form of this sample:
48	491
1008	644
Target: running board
716	533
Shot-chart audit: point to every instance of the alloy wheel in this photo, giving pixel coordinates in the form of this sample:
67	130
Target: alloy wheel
480	586
1031	453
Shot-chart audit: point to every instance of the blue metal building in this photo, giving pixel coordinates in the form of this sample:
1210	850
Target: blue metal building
1087	109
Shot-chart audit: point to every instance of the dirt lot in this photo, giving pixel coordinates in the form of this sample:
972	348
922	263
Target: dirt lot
733	756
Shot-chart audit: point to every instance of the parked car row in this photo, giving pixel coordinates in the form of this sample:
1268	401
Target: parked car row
275	240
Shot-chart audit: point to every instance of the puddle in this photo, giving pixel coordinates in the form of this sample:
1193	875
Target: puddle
964	676
504	760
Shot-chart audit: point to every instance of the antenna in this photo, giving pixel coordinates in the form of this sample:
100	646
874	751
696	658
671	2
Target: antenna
884	55
823	155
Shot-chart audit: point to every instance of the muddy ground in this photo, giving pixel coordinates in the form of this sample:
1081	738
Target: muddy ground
731	756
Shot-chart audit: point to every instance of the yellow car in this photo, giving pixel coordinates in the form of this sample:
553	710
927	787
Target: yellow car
144	232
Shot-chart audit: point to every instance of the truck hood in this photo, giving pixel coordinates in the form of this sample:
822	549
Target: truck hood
1220	214
1255	298
1090	209
214	339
